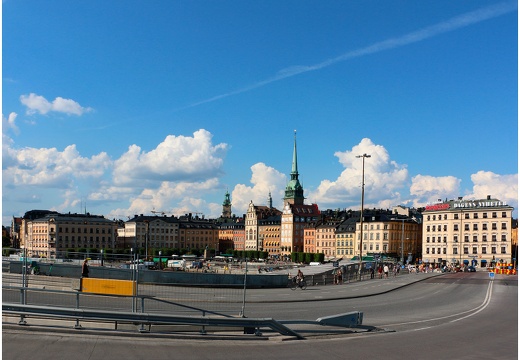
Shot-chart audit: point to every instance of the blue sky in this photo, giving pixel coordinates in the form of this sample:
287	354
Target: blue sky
125	107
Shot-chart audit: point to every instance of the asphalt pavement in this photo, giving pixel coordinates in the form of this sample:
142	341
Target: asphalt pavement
364	288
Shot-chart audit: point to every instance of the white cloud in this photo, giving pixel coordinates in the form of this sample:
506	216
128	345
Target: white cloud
177	158
188	197
38	104
429	189
383	178
502	187
9	123
265	179
50	167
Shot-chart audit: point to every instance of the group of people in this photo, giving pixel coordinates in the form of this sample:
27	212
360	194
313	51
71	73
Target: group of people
385	269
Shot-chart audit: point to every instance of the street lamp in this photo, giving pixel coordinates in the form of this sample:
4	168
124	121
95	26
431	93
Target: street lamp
160	263
101	257
361	217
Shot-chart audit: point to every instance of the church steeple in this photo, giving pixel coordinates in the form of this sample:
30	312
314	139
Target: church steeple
294	190
226	206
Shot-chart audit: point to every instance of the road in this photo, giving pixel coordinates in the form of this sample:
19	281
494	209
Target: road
453	316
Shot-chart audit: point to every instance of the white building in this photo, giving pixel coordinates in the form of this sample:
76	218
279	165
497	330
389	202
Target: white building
467	231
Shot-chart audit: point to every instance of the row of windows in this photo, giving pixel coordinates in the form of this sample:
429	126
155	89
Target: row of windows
466	227
86	230
466	238
474	250
73	238
466	216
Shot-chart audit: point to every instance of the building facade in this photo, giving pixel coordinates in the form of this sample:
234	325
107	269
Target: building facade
54	234
467	232
256	216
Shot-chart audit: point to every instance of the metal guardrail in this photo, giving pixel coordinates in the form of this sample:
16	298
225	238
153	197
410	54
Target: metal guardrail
25	311
81	310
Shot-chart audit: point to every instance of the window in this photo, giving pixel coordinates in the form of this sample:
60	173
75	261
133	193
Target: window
475	215
484	226
475	226
455	251
466	227
494	237
427	239
484	250
494	214
456	227
475	238
466	238
466	250
456	216
504	226
455	238
484	215
475	250
504	214
504	237
466	216
493	250
484	237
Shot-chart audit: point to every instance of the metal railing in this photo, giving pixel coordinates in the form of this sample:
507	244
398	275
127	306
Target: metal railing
144	318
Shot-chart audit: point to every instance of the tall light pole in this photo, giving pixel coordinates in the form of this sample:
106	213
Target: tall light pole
361	217
402	242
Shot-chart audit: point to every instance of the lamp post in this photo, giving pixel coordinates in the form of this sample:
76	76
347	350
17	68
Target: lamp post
160	263
101	257
402	242
361	217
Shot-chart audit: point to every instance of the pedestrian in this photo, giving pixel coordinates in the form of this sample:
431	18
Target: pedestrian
380	271
372	273
84	268
340	276
385	270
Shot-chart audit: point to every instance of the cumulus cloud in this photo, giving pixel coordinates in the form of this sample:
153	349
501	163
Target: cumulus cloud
177	158
502	187
50	167
265	179
187	195
9	123
38	104
383	178
429	189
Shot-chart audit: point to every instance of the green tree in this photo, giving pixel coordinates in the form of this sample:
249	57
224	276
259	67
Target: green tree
6	241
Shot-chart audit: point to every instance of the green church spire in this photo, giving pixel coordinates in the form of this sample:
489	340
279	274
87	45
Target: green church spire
294	190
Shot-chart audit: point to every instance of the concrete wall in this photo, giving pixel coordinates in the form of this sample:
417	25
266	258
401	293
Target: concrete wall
160	277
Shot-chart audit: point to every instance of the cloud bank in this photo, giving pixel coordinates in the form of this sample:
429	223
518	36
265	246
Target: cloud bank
182	172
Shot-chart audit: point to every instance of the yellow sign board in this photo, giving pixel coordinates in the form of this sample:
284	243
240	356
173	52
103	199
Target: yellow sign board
108	286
